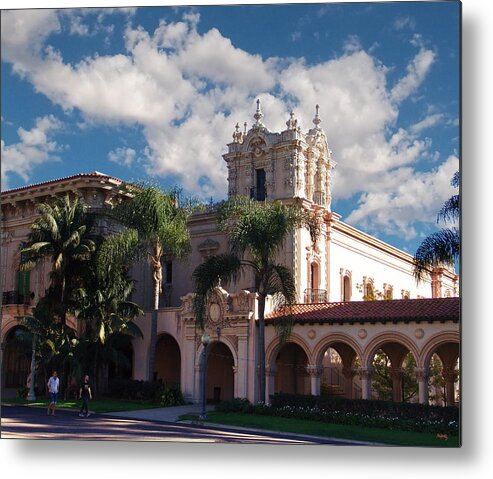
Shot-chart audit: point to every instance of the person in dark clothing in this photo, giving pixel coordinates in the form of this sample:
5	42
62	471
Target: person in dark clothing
85	394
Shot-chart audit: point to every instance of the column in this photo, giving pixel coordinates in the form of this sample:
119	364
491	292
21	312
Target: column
396	375
450	376
348	374
365	376
270	382
422	378
241	377
236	386
315	372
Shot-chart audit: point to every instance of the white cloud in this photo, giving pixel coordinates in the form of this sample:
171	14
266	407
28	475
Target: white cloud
187	90
35	148
405	198
416	73
428	122
401	23
123	156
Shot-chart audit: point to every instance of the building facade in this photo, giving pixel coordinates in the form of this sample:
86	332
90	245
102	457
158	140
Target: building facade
345	266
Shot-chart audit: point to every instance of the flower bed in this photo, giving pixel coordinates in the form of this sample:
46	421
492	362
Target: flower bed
369	413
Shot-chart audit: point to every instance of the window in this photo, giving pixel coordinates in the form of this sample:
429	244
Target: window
260	185
346	288
23	283
168	272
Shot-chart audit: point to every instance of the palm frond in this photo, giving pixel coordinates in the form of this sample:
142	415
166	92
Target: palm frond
440	248
450	210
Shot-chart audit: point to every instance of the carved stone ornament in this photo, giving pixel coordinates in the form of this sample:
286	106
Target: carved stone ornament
312	334
419	333
362	333
215	313
208	247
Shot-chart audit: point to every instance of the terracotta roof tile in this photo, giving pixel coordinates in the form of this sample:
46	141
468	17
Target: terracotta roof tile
93	174
374	311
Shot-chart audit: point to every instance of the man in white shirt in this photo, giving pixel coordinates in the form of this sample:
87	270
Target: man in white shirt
53	387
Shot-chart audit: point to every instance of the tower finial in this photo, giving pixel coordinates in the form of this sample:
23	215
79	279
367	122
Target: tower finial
317	119
258	115
292	123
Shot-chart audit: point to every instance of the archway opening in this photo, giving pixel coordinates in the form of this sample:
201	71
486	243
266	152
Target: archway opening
332	380
339	378
393	374
16	363
443	375
220	373
291	373
168	361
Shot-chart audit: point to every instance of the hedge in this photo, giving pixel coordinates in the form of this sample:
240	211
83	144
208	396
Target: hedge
368	413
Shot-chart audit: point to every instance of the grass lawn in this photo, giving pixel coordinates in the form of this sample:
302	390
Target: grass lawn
96	405
314	428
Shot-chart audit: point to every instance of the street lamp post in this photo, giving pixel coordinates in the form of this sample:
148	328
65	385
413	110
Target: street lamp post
32	396
205	342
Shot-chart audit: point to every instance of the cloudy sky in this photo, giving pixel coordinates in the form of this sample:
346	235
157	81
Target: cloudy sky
156	92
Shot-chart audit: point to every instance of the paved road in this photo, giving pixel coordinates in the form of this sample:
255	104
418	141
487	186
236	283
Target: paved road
33	423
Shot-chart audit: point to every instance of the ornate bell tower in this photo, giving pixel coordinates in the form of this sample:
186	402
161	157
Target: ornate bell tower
280	166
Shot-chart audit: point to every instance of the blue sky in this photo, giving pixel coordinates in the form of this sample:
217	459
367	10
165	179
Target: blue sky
156	92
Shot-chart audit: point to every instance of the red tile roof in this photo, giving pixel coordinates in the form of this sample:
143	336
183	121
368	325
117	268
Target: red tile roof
442	309
93	174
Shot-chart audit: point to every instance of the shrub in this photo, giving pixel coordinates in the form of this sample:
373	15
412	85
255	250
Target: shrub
22	392
386	414
235	405
171	397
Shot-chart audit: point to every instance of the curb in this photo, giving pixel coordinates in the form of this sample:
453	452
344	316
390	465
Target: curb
347	442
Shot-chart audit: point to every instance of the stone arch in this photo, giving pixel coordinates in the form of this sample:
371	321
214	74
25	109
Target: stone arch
341	338
168	360
274	347
388	338
434	343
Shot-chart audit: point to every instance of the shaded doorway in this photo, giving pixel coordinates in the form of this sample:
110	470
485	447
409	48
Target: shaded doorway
220	373
168	361
16	362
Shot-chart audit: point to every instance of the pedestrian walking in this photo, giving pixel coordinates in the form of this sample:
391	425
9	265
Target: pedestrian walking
85	394
53	388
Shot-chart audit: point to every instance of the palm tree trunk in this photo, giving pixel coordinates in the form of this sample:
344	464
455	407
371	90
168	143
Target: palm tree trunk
261	342
157	280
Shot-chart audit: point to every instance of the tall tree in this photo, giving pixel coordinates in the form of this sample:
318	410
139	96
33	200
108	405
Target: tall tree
257	231
156	226
56	343
62	233
103	304
442	247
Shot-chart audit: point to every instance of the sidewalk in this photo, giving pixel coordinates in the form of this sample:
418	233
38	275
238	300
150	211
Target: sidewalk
167	414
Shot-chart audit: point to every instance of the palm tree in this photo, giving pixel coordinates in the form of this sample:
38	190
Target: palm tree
103	305
156	226
256	232
62	233
56	342
442	247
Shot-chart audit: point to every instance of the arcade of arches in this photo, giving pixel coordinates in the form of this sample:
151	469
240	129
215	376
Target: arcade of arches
378	356
337	370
